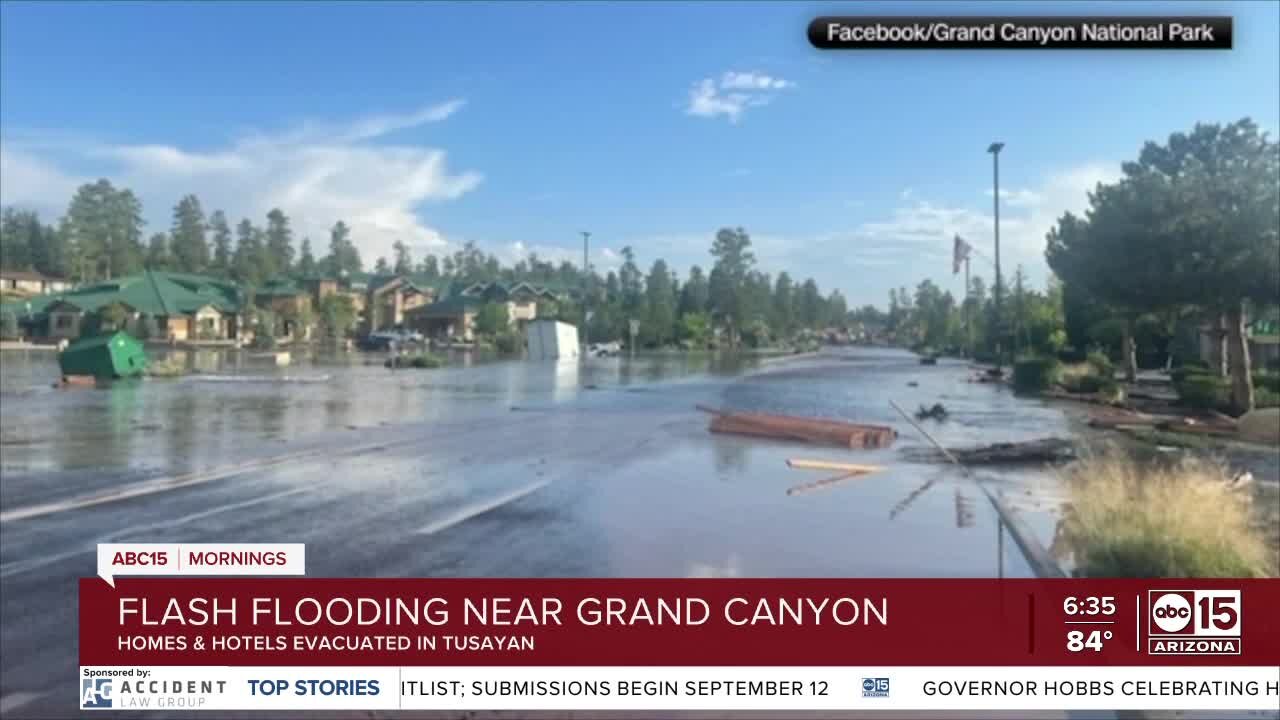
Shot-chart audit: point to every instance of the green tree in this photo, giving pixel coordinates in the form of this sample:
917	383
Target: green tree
158	252
404	261
16	249
279	243
343	256
337	315
306	261
103	227
222	252
246	262
733	260
381	267
1223	236
492	319
784	304
696	293
189	246
660	297
430	267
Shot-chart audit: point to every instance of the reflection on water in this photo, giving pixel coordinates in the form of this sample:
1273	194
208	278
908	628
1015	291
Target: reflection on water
636	484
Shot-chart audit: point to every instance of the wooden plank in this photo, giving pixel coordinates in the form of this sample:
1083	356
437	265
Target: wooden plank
800	464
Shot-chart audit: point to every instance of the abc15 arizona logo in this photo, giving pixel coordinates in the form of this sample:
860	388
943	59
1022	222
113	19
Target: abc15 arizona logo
1193	622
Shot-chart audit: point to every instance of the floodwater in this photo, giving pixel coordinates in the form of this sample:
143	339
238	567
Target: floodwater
603	468
499	469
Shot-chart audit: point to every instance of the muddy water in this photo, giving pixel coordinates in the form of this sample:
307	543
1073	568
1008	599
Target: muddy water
601	469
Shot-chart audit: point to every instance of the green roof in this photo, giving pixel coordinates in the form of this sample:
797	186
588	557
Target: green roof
153	293
449	306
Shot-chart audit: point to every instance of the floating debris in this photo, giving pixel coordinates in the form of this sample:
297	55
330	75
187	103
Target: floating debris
810	430
937	412
1043	450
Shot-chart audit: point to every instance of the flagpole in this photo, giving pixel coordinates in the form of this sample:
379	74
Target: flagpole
968	311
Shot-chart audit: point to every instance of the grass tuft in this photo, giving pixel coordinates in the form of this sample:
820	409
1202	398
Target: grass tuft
1142	520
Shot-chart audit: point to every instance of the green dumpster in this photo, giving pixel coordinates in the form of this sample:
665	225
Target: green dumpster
104	356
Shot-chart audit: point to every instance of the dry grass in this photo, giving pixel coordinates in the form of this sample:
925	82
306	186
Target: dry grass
1142	520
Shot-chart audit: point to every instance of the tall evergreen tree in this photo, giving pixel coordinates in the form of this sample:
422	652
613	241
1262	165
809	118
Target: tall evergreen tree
158	252
279	242
188	243
222	250
306	261
404	262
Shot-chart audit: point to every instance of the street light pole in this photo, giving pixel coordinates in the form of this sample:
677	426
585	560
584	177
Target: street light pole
586	290
995	149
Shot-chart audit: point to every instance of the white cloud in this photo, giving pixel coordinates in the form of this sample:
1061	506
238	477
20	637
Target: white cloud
733	94
1017	198
752	81
318	173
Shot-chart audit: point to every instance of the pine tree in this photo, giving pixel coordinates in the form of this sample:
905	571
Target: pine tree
306	261
221	243
189	246
279	242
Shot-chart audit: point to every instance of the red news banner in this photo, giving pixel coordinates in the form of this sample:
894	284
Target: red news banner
685	622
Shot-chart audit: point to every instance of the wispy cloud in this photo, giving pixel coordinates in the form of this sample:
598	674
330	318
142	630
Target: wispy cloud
317	172
732	94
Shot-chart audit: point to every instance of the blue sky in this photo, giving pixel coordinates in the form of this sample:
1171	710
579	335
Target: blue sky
517	125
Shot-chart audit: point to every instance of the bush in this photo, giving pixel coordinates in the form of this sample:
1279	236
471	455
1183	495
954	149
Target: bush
8	325
1178	521
508	343
1205	392
1101	364
1033	375
1182	373
1267	381
421	361
1083	383
1265	398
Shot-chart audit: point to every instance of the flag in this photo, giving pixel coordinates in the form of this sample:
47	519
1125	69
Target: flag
959	254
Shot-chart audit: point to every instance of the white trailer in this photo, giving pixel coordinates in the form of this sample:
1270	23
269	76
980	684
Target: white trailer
552	340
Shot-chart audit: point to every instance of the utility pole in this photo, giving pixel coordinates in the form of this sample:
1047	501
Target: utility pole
586	290
995	149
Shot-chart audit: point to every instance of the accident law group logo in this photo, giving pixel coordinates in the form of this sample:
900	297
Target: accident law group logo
95	693
1193	622
875	687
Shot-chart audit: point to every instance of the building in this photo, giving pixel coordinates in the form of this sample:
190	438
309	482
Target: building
453	317
1262	334
390	297
29	282
152	305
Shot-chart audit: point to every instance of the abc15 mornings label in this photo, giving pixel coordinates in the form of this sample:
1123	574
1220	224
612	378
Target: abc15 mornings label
1193	622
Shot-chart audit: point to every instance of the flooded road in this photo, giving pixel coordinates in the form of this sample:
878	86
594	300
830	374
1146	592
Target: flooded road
494	469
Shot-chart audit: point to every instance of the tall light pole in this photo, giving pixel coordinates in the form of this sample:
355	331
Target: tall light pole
586	290
995	149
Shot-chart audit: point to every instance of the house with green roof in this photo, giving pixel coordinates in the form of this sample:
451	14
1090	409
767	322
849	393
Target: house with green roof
453	317
156	305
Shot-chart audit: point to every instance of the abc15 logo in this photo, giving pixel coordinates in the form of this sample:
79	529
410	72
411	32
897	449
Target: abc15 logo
1193	613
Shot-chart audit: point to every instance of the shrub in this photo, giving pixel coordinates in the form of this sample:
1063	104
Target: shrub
1032	375
1265	398
8	325
1181	373
1083	383
1176	521
426	360
420	360
1267	381
508	343
1206	392
1101	364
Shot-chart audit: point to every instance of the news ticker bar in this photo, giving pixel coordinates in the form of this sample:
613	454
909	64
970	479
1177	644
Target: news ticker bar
1005	33
679	688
